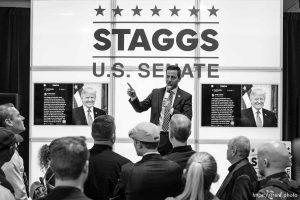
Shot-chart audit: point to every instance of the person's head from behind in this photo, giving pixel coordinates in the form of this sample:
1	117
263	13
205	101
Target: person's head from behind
145	137
180	129
88	96
257	98
104	128
273	157
238	148
7	147
200	173
10	118
173	76
69	159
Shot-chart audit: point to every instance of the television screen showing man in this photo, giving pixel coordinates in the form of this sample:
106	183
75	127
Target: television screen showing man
256	115
85	114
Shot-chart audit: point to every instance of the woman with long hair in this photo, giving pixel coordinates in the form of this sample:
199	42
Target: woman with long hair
200	173
44	161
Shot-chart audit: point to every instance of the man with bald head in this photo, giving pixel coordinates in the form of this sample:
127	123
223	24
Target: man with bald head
257	116
180	130
273	159
85	114
241	181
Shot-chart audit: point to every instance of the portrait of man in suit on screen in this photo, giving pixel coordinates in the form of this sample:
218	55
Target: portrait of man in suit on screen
256	115
85	114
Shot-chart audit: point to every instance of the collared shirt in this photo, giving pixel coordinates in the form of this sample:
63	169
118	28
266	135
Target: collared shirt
233	165
14	170
162	112
86	112
153	152
260	114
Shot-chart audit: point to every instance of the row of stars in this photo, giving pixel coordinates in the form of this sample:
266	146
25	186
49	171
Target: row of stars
155	11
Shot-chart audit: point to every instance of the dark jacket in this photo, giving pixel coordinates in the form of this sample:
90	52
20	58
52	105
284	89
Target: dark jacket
104	170
182	104
152	178
78	116
181	155
240	183
278	187
248	119
65	193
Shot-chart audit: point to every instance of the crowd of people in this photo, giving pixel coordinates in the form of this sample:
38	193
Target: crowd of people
169	169
74	172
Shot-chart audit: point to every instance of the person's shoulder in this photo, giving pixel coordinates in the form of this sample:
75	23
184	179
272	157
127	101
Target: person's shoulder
77	109
270	190
120	158
184	93
268	112
100	111
247	110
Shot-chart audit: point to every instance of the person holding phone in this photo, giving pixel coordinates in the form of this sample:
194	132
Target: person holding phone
164	102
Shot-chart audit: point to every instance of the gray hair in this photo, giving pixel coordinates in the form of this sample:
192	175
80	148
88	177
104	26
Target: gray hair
242	145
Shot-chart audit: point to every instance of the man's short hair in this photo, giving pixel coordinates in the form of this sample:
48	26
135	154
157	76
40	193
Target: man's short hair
174	67
103	127
242	145
5	113
68	156
88	90
180	127
254	91
150	145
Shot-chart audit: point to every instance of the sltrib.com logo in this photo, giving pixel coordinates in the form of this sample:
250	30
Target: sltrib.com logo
155	43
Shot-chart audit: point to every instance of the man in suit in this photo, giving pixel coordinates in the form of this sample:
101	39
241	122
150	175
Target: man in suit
70	163
180	130
241	181
164	102
153	177
257	116
85	114
105	165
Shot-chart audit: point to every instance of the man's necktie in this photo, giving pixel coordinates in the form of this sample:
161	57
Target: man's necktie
258	120
166	120
89	117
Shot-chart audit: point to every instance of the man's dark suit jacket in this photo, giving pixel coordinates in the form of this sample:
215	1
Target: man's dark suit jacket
240	183
181	155
151	178
104	171
78	116
248	120
65	193
182	104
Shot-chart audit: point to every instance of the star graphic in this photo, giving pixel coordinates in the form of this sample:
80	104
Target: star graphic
174	11
194	11
137	11
100	11
117	11
155	11
213	11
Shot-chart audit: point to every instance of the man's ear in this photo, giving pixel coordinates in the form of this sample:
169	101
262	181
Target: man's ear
8	122
266	163
234	150
86	167
216	178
